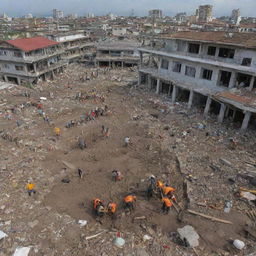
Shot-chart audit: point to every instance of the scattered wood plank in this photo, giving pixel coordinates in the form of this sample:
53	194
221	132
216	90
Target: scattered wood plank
140	218
69	165
93	236
209	217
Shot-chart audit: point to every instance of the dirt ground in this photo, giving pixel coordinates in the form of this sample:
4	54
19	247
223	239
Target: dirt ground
169	141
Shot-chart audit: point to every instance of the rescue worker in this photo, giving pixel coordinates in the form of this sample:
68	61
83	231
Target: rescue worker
112	209
30	188
160	184
57	131
80	173
129	202
116	175
167	191
166	205
81	143
98	207
152	186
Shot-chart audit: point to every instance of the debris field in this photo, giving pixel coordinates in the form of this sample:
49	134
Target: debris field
212	167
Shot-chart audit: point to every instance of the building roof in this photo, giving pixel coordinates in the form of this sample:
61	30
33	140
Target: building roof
247	40
31	44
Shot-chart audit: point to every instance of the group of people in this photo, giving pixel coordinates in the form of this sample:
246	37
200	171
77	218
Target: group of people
164	191
111	208
91	115
157	187
82	96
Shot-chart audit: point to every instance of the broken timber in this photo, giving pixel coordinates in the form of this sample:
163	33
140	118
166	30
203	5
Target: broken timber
210	217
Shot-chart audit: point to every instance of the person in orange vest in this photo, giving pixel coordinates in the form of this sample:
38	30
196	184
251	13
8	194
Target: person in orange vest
129	202
168	191
112	209
30	188
57	131
98	207
167	204
160	184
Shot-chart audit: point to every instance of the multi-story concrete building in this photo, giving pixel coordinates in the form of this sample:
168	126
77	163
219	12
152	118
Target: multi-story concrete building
155	14
75	45
215	70
117	53
57	14
205	13
28	60
236	16
181	17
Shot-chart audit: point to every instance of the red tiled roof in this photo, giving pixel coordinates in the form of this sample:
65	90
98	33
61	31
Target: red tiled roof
30	44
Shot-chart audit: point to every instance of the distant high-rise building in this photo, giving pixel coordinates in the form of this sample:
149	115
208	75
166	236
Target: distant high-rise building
57	14
29	16
181	17
205	13
90	15
236	16
156	14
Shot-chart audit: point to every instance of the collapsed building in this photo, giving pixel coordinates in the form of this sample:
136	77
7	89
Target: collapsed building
117	54
215	70
28	60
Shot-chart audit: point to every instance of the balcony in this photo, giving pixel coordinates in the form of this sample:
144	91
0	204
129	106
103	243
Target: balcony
237	60
203	60
29	59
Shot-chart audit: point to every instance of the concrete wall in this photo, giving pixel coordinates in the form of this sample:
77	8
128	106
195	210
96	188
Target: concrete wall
181	47
197	80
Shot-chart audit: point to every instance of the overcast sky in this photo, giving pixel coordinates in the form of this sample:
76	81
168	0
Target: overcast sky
124	7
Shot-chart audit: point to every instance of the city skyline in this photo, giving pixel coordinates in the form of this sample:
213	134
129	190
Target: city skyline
141	8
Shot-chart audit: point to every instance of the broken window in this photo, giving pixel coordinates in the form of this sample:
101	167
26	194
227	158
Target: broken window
243	80
246	62
190	71
20	68
224	78
193	48
164	64
226	53
176	67
17	54
211	51
206	74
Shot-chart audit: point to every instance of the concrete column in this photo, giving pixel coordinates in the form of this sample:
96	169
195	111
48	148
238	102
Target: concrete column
18	80
6	79
234	115
34	66
139	79
221	113
174	92
149	82
169	91
252	83
158	86
217	52
141	58
232	82
246	120
207	106
190	101
122	64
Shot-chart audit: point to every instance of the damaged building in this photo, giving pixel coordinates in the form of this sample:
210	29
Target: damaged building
76	44
27	60
117	53
215	70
